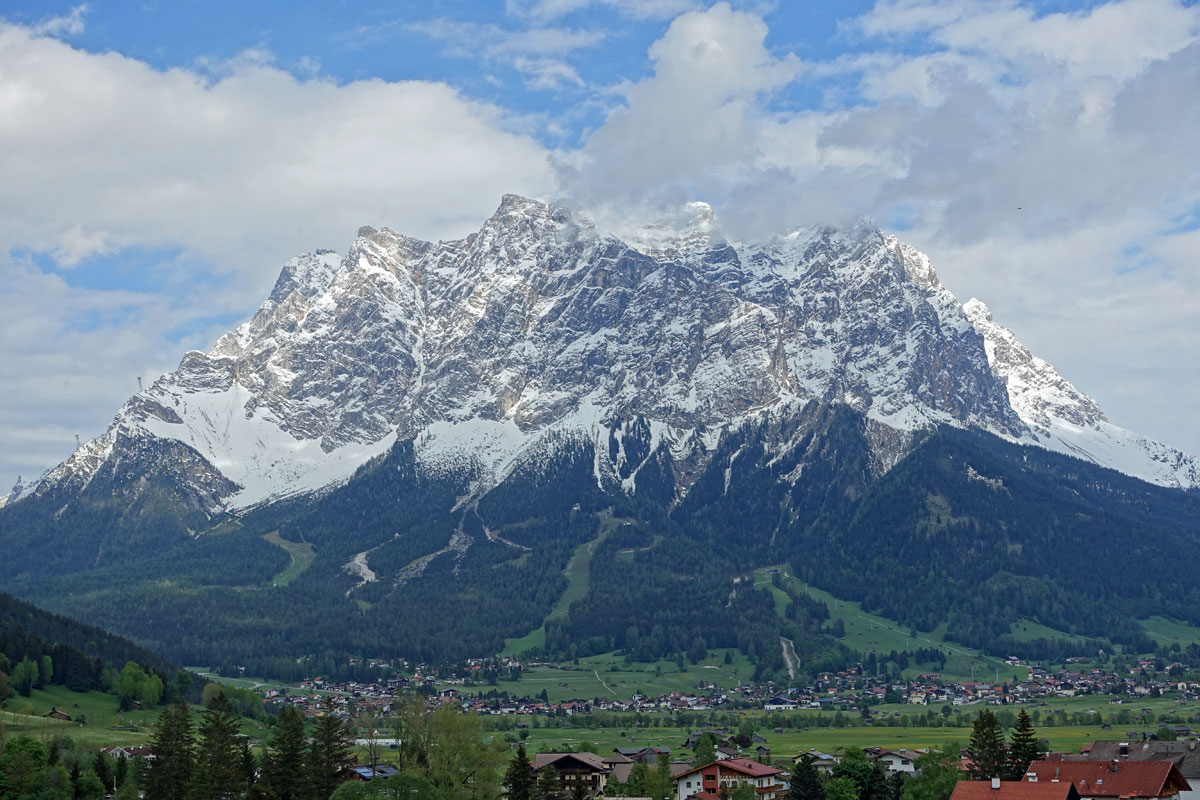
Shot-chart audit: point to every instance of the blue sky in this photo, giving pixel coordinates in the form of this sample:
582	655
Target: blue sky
159	161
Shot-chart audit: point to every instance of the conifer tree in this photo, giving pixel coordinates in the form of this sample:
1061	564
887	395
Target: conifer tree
806	781
1025	747
103	770
283	765
328	756
986	749
247	763
520	779
218	773
169	773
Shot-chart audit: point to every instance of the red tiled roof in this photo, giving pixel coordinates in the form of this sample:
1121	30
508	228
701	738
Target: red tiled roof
1013	790
1106	779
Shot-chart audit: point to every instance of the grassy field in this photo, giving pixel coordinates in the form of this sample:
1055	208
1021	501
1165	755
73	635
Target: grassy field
1168	631
103	724
302	554
793	741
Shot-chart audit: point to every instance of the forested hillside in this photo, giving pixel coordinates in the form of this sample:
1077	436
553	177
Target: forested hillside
967	530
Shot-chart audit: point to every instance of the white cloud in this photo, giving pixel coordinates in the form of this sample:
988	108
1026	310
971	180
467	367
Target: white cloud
70	25
694	125
102	152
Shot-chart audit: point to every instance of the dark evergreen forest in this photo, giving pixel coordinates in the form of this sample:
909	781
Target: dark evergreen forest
966	529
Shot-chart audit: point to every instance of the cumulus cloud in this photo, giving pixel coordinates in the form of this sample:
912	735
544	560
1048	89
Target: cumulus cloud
694	127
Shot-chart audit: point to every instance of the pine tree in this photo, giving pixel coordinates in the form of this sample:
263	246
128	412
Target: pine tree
101	767
520	779
328	756
247	763
170	771
806	781
986	749
218	774
283	765
1025	747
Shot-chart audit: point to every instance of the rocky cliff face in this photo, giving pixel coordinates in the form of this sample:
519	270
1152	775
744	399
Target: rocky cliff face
540	324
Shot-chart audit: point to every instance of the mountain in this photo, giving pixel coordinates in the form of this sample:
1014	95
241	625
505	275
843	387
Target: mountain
539	321
445	422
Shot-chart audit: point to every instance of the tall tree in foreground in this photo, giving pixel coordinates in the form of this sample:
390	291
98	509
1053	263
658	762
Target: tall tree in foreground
1025	747
988	754
328	756
805	783
283	764
169	773
218	774
520	778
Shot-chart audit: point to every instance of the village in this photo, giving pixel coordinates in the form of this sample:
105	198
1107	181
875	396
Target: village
850	690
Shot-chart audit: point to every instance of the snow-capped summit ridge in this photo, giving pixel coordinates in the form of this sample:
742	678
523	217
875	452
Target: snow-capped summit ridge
543	321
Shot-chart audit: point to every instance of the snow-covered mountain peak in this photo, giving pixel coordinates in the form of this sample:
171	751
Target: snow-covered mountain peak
540	324
917	266
976	309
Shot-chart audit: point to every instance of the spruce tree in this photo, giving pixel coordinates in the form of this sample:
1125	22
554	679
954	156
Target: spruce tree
986	749
806	781
520	779
283	765
328	756
170	771
103	770
1025	747
248	763
218	773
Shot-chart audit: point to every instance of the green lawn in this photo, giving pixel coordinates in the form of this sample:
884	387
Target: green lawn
302	554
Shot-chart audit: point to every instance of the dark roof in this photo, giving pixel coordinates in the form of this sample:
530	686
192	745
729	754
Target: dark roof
1111	779
1184	755
590	760
1013	790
